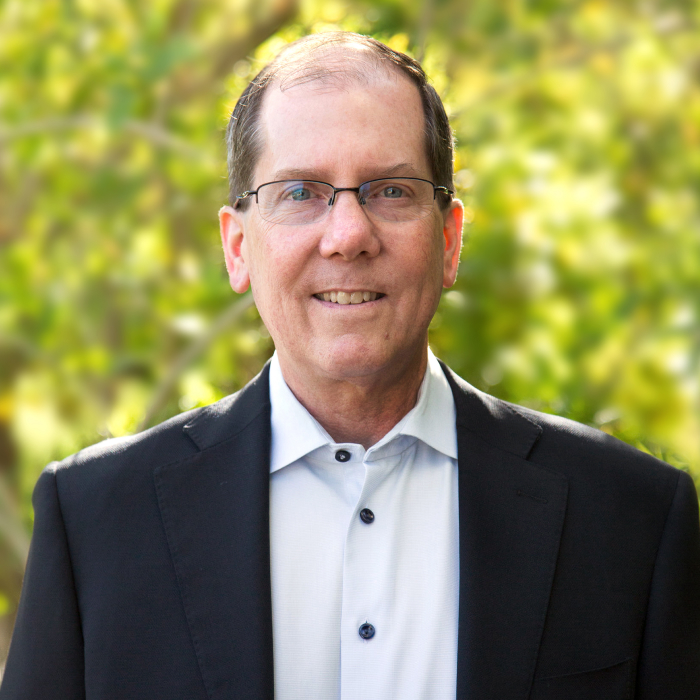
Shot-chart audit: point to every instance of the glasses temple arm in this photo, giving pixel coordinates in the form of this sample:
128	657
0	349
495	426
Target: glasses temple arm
444	190
244	195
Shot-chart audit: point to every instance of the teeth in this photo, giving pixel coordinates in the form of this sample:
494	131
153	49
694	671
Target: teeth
345	298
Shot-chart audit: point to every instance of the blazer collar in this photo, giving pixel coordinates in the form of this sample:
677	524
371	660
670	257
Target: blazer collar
215	511
495	421
499	423
214	507
232	415
511	514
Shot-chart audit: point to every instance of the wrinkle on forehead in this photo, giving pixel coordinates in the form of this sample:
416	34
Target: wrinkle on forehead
336	68
332	69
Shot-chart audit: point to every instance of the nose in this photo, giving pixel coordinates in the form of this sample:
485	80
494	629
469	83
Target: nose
348	231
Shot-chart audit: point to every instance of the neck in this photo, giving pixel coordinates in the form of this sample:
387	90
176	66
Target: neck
359	409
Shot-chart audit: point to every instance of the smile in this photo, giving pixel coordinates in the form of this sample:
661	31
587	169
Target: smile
338	297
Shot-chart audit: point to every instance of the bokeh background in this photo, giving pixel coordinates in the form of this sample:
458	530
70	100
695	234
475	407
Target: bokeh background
578	160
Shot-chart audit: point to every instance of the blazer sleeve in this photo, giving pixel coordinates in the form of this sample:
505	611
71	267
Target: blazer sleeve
45	660
669	664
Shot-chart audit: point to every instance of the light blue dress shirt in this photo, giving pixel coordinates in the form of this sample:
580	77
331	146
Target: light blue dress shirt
332	572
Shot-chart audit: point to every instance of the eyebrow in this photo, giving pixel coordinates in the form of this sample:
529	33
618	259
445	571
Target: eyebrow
405	169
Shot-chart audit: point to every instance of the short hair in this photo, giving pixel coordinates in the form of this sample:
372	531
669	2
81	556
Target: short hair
312	59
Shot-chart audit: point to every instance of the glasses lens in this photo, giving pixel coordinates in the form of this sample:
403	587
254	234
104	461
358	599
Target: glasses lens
293	202
398	199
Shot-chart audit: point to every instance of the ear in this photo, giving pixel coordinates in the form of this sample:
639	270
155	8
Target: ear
233	240
452	232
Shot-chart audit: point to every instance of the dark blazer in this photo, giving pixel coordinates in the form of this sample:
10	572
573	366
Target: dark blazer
149	573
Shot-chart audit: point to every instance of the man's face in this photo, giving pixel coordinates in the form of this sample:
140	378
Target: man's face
344	136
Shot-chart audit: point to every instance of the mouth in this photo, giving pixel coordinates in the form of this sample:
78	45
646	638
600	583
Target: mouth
343	298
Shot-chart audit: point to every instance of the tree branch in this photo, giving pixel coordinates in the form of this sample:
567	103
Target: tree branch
425	21
150	131
197	348
235	48
584	54
11	528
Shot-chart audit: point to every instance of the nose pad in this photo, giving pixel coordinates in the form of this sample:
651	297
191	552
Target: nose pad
360	197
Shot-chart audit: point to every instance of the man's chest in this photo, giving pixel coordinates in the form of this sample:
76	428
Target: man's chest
365	575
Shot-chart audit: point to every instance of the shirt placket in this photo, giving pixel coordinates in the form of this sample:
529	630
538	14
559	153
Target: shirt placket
365	627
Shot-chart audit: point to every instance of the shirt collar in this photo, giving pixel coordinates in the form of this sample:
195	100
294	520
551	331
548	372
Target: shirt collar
295	432
433	418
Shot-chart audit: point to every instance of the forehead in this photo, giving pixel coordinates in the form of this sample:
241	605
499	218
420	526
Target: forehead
343	129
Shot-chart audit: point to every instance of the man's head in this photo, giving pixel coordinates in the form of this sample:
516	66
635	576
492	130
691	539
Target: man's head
345	118
332	59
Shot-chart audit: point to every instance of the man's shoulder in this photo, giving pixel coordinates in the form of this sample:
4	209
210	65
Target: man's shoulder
581	451
169	442
588	457
166	442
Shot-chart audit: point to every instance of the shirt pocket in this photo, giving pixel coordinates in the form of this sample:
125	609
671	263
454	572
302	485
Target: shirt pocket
609	683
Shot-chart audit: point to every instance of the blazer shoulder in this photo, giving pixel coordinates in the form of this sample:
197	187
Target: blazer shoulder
606	474
174	439
163	443
580	452
584	443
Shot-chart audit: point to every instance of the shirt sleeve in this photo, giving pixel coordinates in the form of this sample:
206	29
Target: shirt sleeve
669	664
45	661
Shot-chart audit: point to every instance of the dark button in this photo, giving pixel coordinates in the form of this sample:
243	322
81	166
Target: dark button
367	516
342	455
366	631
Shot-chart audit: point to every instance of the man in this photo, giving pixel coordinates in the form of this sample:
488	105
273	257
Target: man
357	521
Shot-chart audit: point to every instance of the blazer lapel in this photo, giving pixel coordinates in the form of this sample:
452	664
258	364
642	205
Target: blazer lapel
511	514
215	510
214	507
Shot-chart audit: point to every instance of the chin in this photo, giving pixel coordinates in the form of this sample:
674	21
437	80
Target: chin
353	360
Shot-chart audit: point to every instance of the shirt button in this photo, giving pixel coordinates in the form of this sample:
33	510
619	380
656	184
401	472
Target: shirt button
367	516
366	631
342	455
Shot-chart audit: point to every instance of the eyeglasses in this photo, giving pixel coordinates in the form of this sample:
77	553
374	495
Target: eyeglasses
297	202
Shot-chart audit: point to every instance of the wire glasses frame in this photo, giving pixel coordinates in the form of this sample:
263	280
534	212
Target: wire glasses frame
297	202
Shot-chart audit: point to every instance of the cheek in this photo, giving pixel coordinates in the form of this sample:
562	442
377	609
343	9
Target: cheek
266	259
276	269
431	270
429	254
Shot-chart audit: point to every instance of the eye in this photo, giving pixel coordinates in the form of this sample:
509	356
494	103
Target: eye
392	192
299	194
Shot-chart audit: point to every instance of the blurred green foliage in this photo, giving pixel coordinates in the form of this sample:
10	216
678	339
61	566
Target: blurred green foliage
578	129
